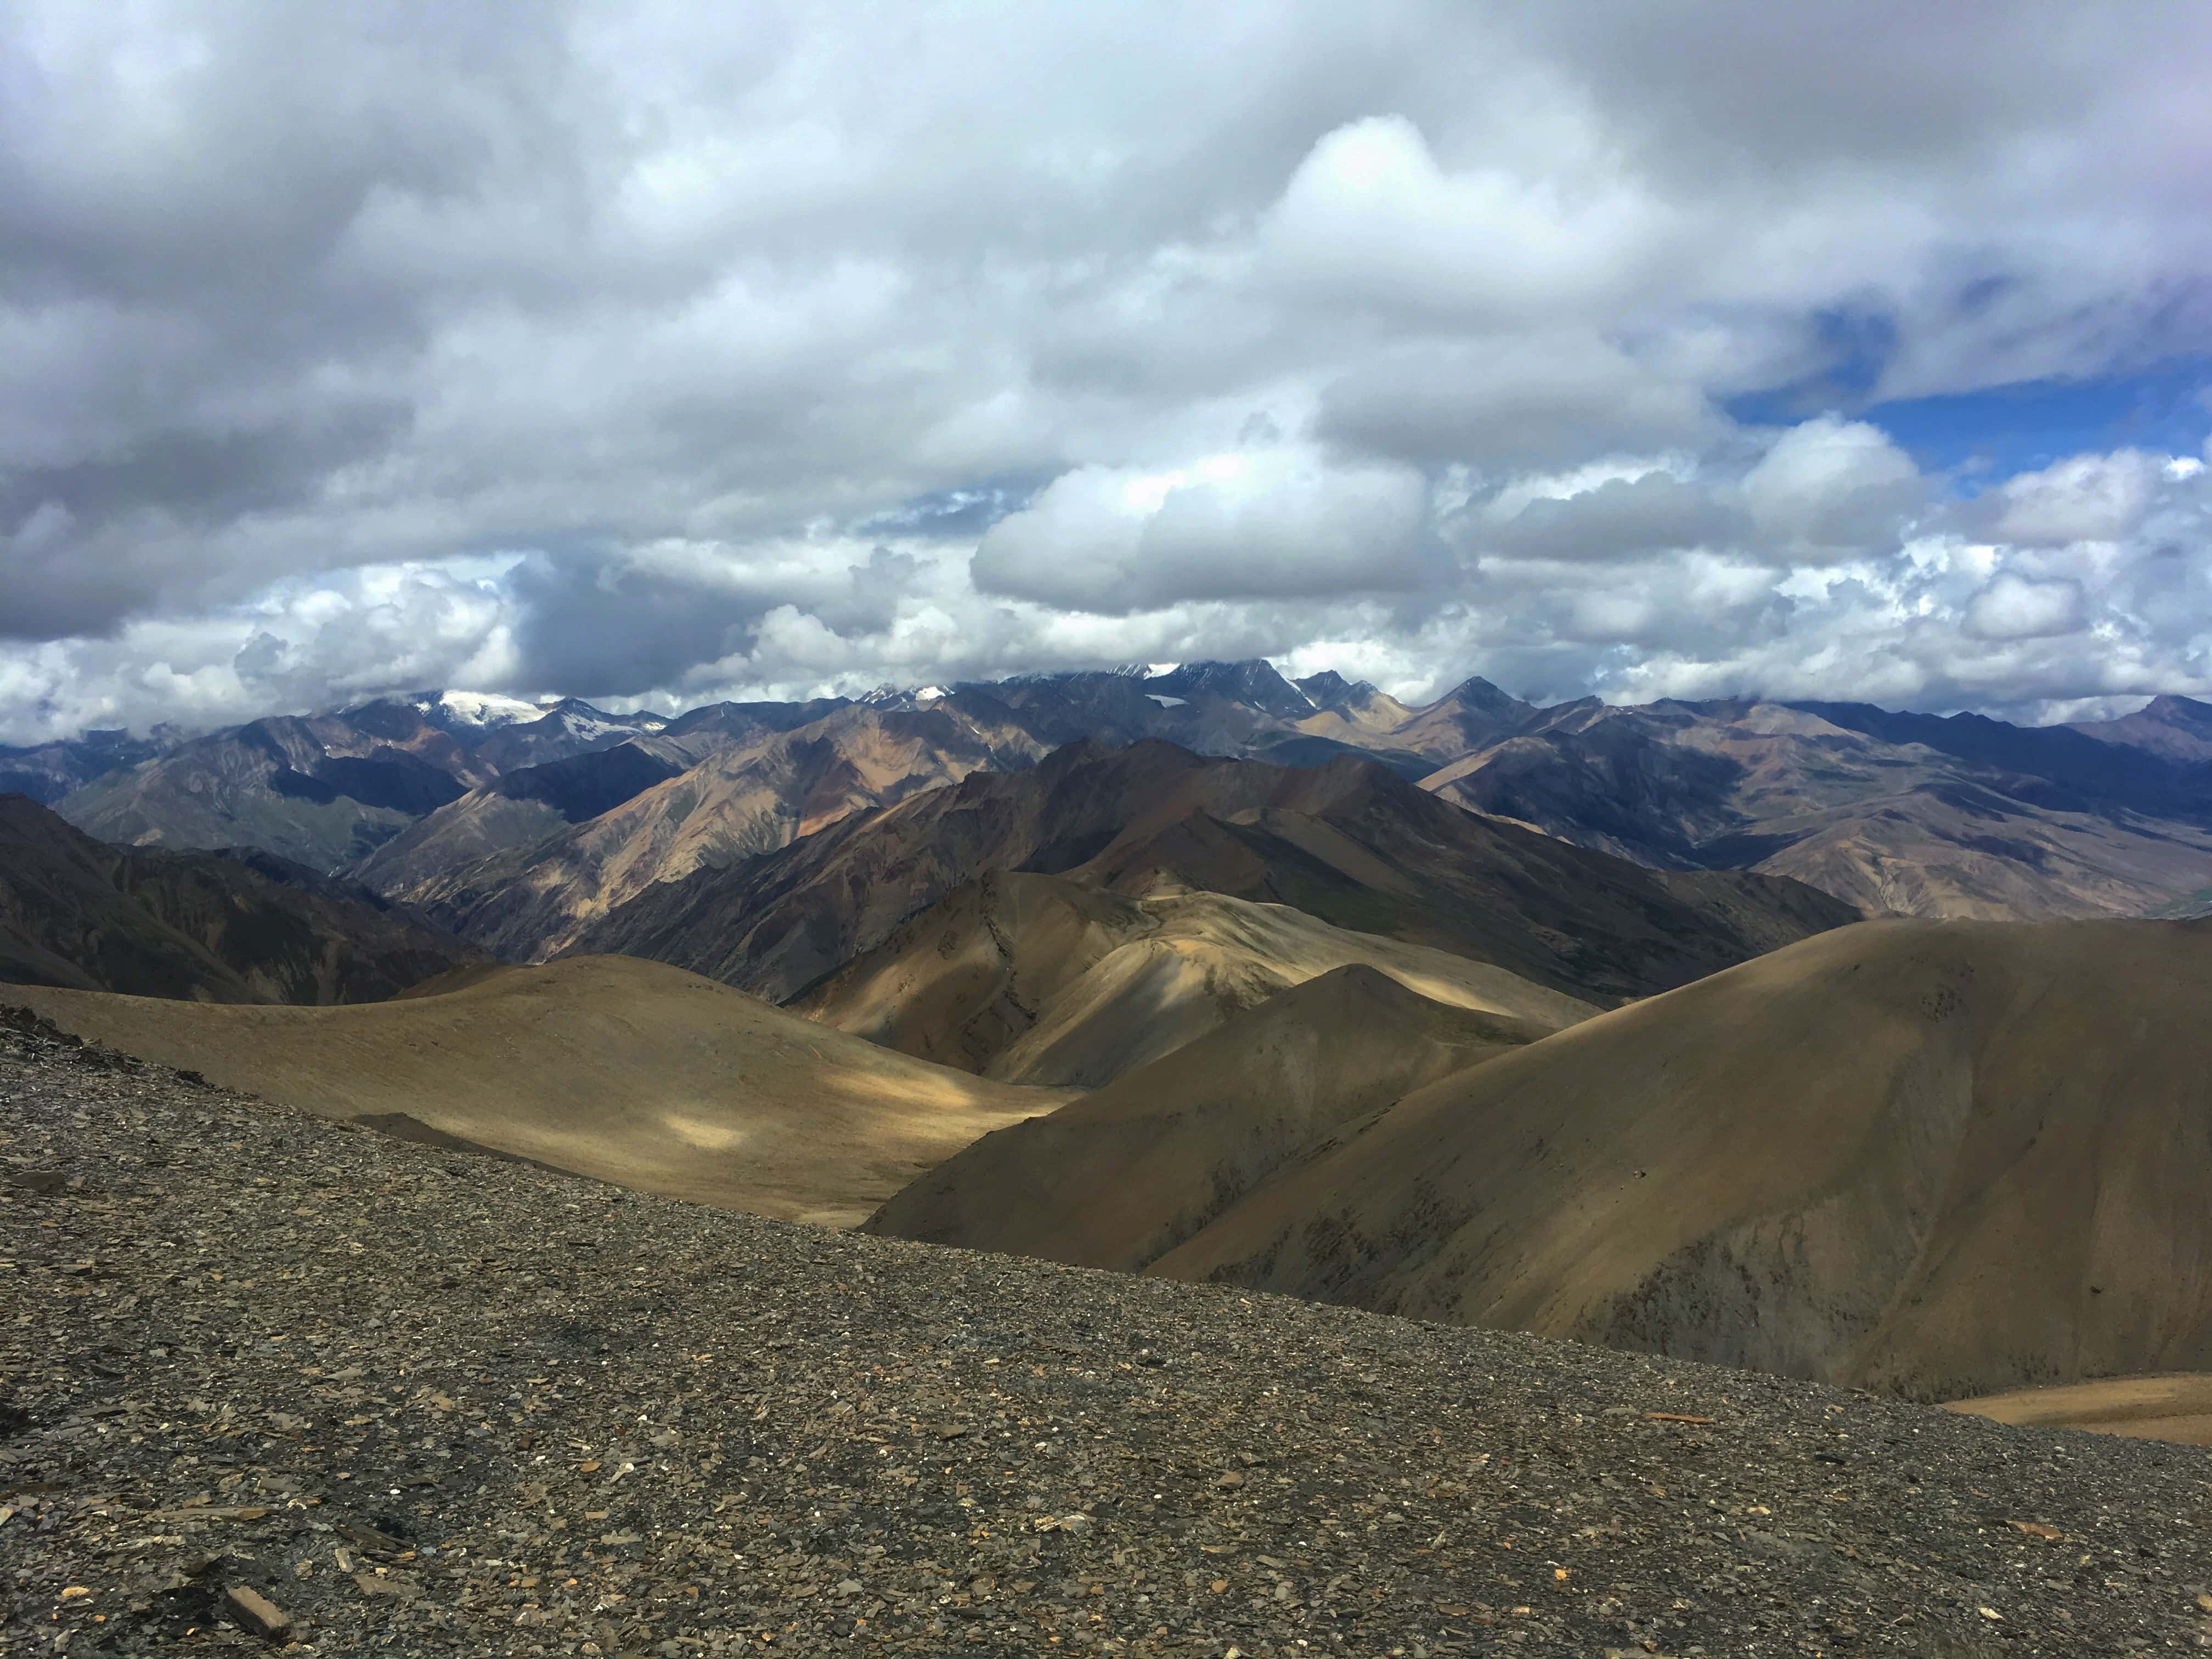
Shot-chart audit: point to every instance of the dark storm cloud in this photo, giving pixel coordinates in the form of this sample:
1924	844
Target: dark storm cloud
609	630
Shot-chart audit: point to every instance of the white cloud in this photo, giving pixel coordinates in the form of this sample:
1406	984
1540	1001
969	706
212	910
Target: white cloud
2085	498
1279	523
1833	484
668	302
1369	217
2013	608
1502	403
1620	518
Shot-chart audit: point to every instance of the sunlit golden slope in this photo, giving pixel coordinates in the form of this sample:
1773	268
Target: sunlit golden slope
1041	979
628	1071
1948	1158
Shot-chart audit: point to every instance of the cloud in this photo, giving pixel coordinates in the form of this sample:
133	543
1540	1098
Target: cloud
1503	403
661	318
2085	498
1620	518
2012	608
1371	218
1833	484
1250	524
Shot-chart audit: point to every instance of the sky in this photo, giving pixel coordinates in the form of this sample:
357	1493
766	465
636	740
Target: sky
657	352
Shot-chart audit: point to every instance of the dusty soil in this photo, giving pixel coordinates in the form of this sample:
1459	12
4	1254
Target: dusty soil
255	1365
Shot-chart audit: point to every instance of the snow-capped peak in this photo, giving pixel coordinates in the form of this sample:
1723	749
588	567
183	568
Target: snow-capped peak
483	709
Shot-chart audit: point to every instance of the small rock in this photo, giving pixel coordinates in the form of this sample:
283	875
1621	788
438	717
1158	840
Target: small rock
255	1612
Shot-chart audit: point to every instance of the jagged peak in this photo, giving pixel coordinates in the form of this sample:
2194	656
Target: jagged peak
2172	705
1476	692
1330	690
1252	680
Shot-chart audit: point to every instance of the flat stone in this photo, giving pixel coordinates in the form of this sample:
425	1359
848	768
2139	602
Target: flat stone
254	1611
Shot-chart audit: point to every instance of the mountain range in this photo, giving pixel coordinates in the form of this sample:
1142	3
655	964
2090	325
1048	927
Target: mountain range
1813	1038
1351	843
520	825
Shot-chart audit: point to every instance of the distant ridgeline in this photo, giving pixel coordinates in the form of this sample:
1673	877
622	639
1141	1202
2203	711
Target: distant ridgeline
529	828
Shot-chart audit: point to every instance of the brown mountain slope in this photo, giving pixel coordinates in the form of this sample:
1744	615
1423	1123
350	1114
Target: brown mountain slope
1351	843
626	1071
520	809
2179	729
1944	1157
241	926
533	802
1350	711
1968	851
1043	979
1870	812
2175	1407
1472	715
1126	1174
529	902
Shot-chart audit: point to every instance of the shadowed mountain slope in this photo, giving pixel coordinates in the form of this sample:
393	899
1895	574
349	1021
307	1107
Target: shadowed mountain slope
629	1071
1126	1174
323	790
327	790
520	809
237	926
1044	979
1351	843
47	771
1942	1157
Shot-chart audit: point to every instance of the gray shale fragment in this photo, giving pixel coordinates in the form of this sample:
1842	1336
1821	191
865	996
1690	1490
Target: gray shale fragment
429	1404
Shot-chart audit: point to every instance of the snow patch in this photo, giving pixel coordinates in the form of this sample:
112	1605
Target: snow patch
482	708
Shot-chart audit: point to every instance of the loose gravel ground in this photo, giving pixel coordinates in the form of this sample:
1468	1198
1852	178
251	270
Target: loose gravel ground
268	1382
